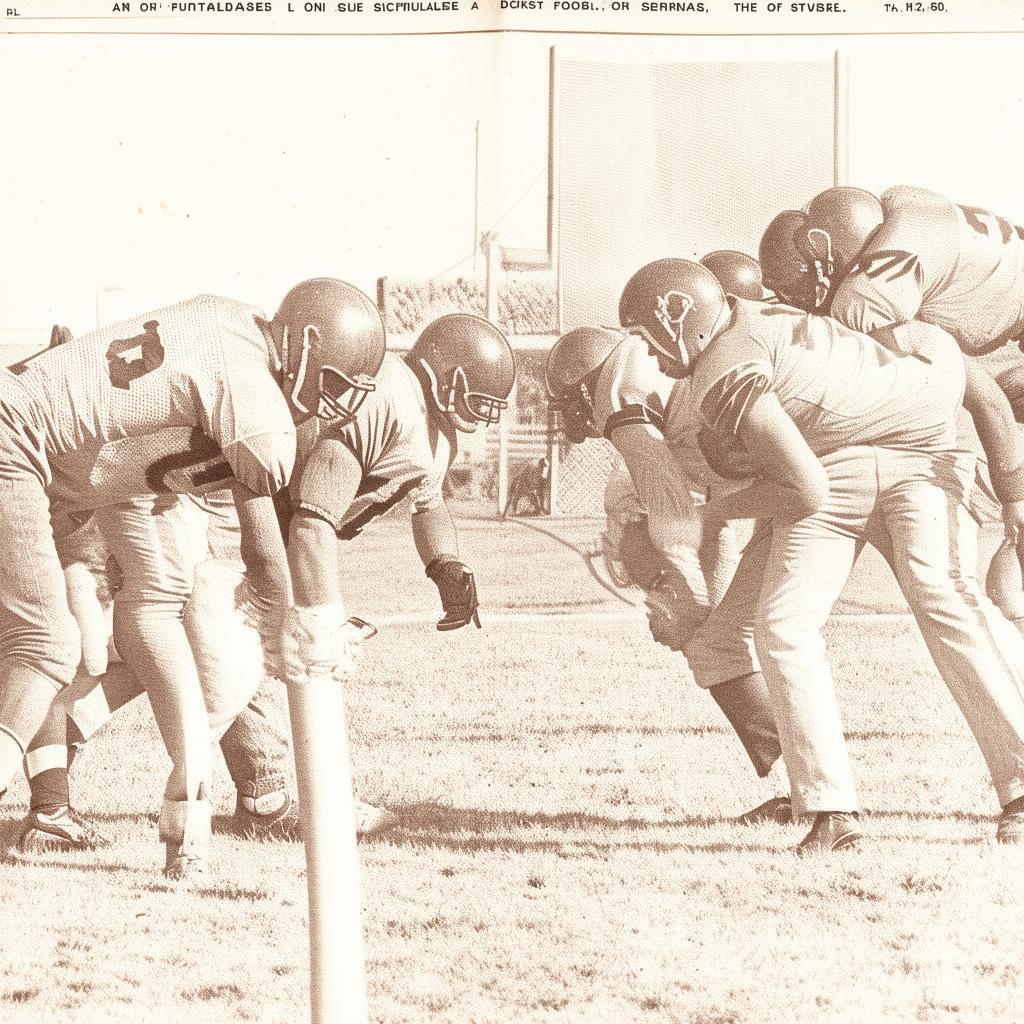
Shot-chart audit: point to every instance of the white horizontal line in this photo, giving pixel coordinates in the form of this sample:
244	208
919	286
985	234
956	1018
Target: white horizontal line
508	615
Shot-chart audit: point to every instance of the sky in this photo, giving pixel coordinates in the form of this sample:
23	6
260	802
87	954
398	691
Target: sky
144	169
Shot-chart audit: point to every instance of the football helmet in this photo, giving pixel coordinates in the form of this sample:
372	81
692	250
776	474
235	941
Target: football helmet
676	306
788	269
469	367
839	222
573	366
331	347
737	273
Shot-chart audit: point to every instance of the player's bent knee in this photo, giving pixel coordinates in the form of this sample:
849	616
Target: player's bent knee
718	652
54	655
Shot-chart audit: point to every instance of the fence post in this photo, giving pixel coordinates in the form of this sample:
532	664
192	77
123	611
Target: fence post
492	252
554	455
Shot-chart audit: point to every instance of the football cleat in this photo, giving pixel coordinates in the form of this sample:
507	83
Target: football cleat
184	864
372	820
282	825
831	831
777	811
1010	829
285	824
60	829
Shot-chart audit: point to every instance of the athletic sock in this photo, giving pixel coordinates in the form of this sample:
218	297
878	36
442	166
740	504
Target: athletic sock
46	763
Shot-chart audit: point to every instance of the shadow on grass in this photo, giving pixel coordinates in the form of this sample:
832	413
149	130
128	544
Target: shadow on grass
590	835
467	829
585	729
443	818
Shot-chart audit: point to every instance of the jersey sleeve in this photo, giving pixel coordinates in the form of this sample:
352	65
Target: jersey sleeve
630	389
725	403
883	288
248	417
263	463
330	480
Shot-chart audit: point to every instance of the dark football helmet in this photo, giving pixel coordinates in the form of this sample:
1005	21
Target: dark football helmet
675	305
574	364
468	365
839	222
788	269
737	273
332	346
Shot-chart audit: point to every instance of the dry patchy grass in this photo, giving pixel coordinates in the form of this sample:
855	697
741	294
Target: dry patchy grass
564	853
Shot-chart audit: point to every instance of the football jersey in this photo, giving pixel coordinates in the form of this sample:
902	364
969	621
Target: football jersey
180	399
668	474
841	388
401	451
958	267
630	388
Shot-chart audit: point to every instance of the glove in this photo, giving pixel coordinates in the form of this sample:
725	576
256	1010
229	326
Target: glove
673	611
317	643
457	588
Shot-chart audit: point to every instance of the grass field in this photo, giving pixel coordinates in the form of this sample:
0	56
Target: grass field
564	852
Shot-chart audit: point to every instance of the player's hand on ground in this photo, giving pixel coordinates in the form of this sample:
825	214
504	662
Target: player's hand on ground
457	588
673	612
317	643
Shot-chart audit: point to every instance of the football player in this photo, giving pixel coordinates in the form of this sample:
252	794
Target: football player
605	384
183	400
876	266
457	376
848	443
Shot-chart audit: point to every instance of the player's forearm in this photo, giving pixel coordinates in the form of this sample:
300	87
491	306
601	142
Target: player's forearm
998	432
261	547
313	560
765	499
433	532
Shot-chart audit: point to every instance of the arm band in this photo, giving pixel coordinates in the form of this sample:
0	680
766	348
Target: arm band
630	414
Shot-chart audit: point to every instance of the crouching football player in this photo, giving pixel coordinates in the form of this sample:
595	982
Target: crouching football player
321	350
848	443
605	384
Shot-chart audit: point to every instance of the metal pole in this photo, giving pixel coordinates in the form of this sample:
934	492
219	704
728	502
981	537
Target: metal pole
493	254
476	192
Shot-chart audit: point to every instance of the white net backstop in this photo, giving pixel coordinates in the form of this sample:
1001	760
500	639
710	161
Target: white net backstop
673	159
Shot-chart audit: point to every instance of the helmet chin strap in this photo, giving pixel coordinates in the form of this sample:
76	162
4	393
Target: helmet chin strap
445	406
299	376
823	269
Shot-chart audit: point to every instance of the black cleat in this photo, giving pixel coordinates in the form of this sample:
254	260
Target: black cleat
777	811
60	829
832	830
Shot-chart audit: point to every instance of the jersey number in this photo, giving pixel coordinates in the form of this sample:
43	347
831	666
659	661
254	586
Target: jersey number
979	219
129	359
